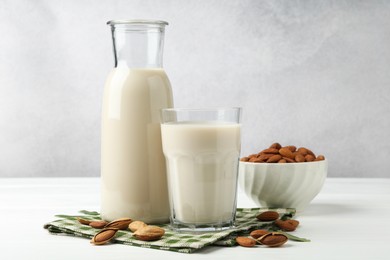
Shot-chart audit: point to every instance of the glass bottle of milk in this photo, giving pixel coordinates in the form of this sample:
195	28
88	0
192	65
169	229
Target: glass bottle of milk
133	174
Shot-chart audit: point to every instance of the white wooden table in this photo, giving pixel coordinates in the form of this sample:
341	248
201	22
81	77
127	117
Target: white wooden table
349	219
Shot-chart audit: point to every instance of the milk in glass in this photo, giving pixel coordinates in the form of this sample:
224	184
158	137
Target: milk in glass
202	162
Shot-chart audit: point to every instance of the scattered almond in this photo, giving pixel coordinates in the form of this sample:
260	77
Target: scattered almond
268	216
104	236
149	233
246	241
287	225
98	224
268	238
83	221
121	223
135	225
258	233
273	239
293	222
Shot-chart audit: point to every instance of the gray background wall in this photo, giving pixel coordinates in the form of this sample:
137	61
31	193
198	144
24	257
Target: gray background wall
312	73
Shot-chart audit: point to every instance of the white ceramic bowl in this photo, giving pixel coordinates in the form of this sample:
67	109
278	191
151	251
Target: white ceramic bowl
285	185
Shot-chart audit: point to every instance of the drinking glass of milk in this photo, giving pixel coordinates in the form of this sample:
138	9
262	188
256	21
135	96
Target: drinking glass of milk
202	149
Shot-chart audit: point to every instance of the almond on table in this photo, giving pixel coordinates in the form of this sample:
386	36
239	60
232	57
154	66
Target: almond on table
268	216
258	233
84	221
245	241
273	239
98	224
287	225
104	236
135	225
149	233
121	223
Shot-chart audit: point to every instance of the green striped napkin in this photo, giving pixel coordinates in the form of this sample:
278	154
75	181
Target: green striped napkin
171	241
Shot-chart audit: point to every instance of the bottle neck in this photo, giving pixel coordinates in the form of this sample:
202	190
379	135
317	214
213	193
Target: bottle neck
138	45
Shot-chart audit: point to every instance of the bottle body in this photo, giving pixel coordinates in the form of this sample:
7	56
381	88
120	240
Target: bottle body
133	172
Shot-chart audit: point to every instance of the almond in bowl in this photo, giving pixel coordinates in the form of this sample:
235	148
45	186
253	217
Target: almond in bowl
287	154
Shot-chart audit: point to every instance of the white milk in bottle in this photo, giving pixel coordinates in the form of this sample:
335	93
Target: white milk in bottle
133	174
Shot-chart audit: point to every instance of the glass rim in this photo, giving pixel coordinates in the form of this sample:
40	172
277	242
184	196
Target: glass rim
137	22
